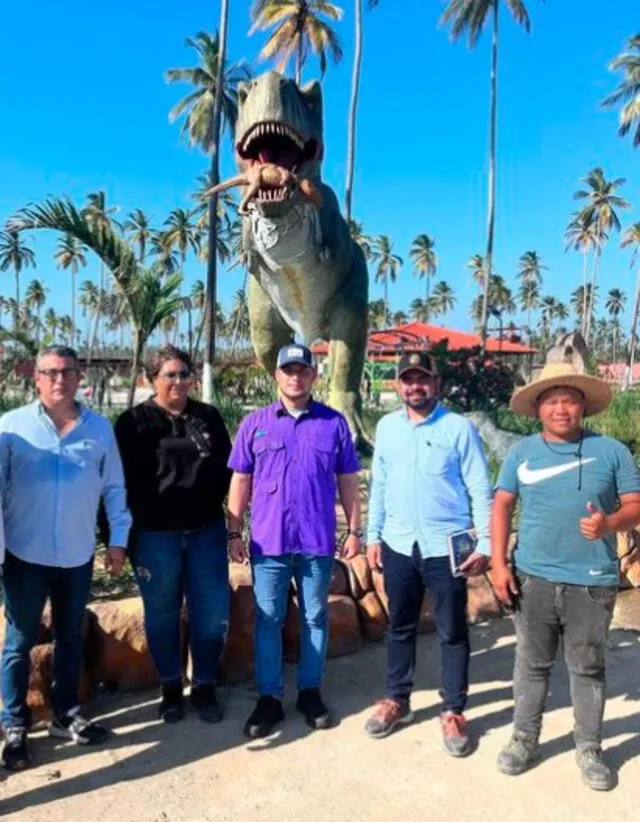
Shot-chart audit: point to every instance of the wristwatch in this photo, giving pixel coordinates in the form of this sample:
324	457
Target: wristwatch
357	532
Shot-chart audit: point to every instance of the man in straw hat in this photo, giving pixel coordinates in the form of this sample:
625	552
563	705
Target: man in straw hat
576	489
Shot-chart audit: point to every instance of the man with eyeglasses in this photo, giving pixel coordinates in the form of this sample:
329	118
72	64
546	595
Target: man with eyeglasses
58	459
429	480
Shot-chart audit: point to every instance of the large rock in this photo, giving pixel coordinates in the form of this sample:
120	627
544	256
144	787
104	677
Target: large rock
41	676
344	628
377	578
117	652
373	618
627	541
339	579
482	602
359	576
237	656
626	613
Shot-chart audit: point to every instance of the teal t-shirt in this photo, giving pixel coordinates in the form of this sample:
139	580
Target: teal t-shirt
554	482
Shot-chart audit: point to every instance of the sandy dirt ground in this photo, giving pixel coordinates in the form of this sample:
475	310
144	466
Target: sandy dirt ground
149	772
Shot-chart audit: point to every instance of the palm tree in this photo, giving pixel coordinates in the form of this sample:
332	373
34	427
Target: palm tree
353	106
418	310
530	275
51	322
299	27
469	17
239	318
425	262
65	326
16	255
615	305
500	299
581	235
443	298
182	234
399	318
138	229
376	314
166	260
215	98
579	299
365	242
388	265
89	300
478	269
71	254
628	92
100	217
35	297
631	239
600	210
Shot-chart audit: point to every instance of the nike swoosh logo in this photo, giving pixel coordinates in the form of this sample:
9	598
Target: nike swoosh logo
593	573
531	476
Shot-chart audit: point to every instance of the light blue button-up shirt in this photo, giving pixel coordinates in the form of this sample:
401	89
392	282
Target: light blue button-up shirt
428	480
51	486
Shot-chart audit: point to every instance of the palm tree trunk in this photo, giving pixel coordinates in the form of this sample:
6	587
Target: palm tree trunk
16	317
584	293
138	346
210	298
492	176
94	334
73	305
633	334
190	330
426	301
353	105
591	296
386	301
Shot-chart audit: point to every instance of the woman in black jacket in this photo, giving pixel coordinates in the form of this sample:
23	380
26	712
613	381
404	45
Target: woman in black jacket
174	451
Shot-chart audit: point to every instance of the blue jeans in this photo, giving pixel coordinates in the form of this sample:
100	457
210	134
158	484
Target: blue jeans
405	580
26	588
171	566
271	577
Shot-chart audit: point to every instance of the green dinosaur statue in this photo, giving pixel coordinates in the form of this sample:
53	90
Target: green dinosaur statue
309	277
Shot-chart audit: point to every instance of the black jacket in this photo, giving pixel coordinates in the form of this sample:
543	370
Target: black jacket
175	467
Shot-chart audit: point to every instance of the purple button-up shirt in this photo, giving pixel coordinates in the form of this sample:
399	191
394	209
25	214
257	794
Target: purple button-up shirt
294	463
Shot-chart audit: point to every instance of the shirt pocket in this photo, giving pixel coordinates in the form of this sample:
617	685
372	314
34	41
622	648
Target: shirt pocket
323	453
435	460
269	456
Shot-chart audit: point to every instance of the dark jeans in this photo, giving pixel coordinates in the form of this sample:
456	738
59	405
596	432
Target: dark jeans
580	615
405	580
26	588
171	566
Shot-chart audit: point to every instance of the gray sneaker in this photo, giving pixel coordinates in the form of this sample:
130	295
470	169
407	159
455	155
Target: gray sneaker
454	734
519	754
595	771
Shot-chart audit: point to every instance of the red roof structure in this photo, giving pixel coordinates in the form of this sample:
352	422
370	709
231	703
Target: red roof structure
385	344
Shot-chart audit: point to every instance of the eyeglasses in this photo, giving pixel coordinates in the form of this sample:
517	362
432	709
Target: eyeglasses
53	373
173	376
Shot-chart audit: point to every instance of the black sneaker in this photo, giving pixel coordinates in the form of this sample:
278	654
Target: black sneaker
172	704
519	754
266	715
205	702
311	706
15	752
595	771
75	727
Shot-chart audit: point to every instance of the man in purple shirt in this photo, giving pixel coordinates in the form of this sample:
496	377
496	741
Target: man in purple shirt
289	459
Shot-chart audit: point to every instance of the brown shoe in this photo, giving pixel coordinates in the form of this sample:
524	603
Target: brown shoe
388	715
454	734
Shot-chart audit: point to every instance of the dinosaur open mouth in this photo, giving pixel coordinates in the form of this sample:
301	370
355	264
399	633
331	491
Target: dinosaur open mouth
272	142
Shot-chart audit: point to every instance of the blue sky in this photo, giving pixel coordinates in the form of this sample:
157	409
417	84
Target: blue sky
85	107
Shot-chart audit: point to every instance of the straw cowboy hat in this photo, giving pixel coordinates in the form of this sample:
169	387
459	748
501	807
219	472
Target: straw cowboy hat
596	392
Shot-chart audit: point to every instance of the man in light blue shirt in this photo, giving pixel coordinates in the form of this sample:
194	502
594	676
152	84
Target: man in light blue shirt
429	479
57	460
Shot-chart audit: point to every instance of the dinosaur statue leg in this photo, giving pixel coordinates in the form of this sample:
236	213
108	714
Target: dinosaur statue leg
347	351
268	330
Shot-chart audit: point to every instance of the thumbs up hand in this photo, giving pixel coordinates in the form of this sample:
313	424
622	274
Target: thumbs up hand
595	525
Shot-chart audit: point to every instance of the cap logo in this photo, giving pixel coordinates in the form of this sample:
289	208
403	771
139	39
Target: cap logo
414	359
295	352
